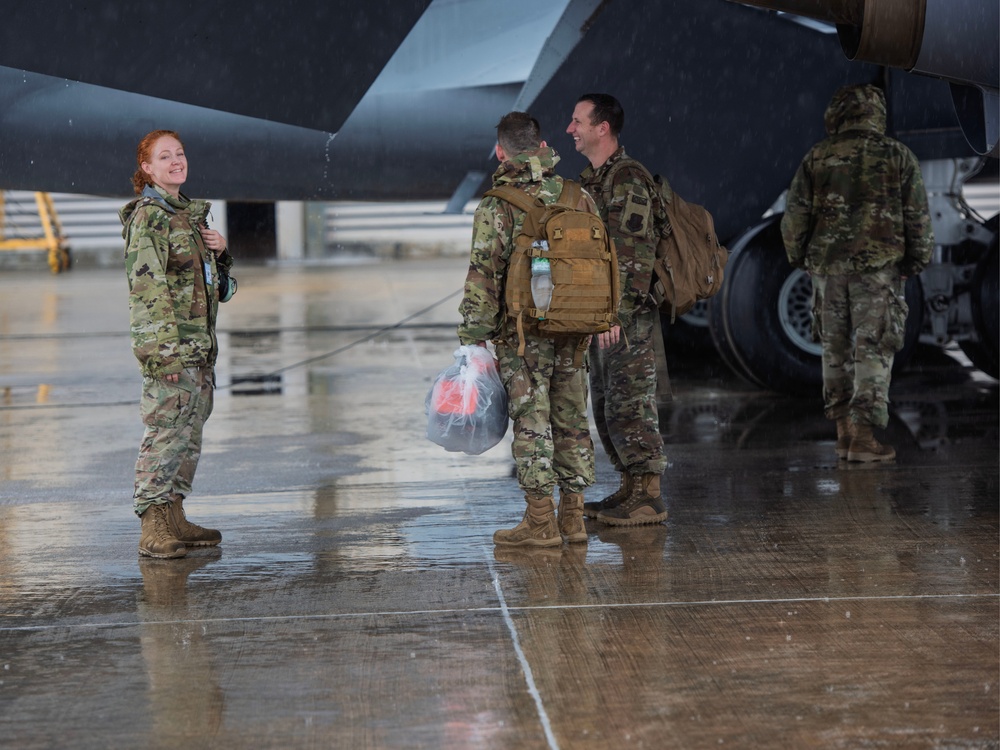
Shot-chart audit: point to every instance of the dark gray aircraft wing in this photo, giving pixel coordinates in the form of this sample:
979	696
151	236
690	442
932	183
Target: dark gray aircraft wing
303	63
317	100
397	99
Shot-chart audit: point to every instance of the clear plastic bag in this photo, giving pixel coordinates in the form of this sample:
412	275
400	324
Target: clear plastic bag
467	405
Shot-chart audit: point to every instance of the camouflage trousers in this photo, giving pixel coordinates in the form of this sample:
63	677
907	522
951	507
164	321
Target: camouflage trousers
861	322
547	399
623	393
174	415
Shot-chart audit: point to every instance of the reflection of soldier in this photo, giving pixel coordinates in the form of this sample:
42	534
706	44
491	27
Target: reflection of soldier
644	558
635	651
623	361
547	392
185	696
857	221
548	575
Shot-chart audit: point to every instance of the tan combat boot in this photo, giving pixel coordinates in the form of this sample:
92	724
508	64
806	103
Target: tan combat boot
643	505
538	528
845	431
157	538
191	534
866	449
571	517
592	509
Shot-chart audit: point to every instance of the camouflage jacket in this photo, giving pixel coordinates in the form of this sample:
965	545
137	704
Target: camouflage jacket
495	225
634	215
172	281
857	202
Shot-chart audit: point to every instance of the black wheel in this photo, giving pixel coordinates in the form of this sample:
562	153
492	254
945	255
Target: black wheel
761	321
762	317
985	353
718	306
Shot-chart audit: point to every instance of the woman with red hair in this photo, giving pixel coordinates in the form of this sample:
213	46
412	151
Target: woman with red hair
177	272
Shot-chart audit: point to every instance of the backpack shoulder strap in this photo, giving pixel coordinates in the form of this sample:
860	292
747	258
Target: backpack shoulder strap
657	184
571	194
514	196
630	162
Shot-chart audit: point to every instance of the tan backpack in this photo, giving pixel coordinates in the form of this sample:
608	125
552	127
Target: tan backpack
585	282
689	258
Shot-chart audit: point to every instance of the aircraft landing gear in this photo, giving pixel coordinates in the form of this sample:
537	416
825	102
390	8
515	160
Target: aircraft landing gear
761	321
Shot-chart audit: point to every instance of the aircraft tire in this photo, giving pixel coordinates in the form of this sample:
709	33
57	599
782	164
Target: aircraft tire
985	353
723	337
771	346
719	327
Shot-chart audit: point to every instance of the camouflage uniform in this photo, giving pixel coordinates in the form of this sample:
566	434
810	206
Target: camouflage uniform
623	377
547	393
857	220
173	303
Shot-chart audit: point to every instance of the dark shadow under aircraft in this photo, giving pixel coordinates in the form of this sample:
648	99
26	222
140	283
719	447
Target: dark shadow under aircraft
397	100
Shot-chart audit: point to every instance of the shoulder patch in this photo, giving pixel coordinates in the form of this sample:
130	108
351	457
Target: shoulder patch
636	214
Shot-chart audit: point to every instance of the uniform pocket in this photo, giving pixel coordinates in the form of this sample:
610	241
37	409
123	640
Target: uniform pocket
518	388
164	404
896	312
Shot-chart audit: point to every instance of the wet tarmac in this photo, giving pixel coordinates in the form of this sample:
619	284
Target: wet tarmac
790	601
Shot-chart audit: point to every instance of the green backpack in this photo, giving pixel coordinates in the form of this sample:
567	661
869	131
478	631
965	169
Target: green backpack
584	265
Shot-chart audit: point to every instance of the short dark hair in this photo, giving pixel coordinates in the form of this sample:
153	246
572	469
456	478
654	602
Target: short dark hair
606	109
518	132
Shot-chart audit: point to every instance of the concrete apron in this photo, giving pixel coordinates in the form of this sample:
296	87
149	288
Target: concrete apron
790	600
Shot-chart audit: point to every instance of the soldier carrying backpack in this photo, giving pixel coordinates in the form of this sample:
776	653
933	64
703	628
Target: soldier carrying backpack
623	367
669	258
540	350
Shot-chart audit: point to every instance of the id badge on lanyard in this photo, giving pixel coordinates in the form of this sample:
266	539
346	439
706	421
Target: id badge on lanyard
208	273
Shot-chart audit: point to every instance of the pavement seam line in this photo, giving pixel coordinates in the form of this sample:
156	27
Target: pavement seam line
525	666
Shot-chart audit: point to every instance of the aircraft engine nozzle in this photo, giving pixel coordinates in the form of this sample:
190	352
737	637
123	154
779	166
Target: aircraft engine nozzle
890	33
951	39
954	40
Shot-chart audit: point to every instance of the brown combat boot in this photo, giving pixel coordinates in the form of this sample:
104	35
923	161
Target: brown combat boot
643	505
866	449
538	528
592	509
191	534
571	517
845	431
157	538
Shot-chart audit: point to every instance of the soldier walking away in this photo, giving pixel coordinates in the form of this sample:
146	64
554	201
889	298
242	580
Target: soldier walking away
623	360
857	221
173	262
546	387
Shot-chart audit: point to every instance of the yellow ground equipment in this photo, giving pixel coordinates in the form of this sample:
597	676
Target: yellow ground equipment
53	240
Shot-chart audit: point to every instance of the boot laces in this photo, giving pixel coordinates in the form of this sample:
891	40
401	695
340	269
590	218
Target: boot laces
161	525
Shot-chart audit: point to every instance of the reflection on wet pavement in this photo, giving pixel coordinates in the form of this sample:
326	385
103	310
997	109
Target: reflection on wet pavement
791	600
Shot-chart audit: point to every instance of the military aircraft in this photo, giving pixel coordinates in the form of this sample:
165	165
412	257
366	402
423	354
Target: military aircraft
397	100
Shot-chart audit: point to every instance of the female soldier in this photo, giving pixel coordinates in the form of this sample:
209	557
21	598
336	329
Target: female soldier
173	262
